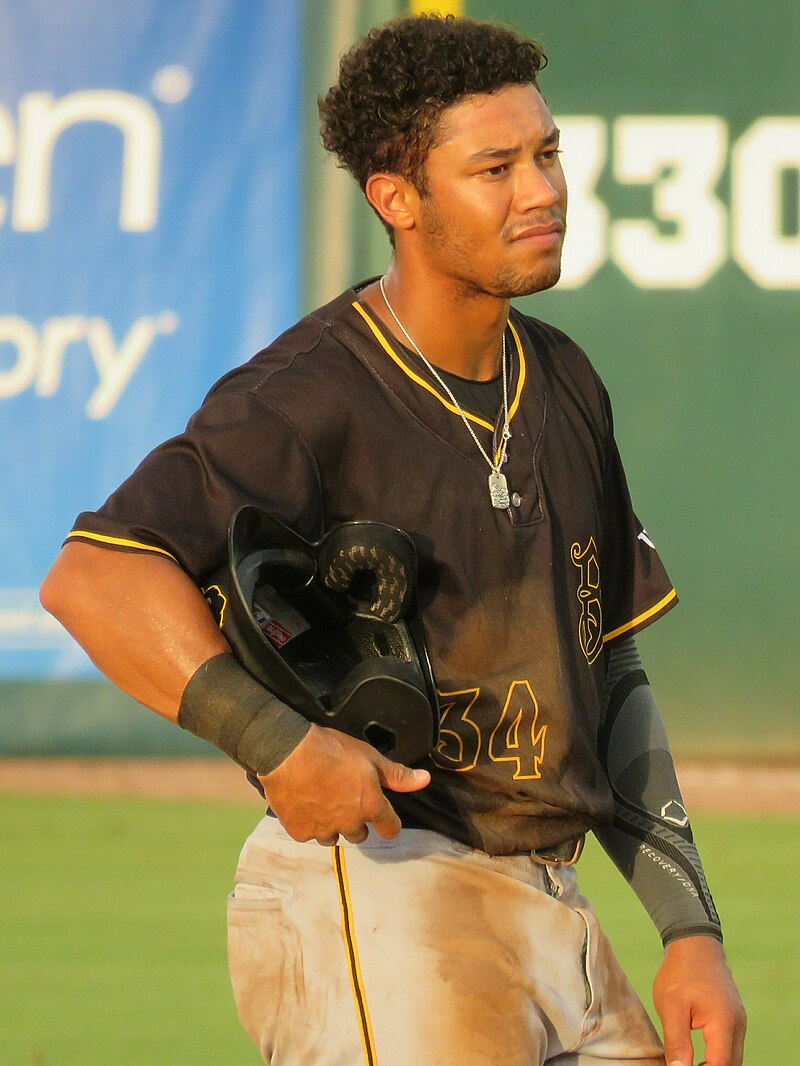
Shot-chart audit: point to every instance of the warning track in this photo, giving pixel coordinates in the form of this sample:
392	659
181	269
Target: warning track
724	789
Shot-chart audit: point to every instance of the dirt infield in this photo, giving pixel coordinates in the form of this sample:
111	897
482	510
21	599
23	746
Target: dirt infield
706	789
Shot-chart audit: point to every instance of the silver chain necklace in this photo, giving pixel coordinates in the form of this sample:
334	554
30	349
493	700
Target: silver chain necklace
498	486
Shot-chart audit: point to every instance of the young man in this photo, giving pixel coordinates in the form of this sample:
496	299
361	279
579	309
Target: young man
425	401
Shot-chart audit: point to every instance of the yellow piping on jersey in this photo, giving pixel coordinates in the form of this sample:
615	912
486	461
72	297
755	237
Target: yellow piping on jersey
364	1024
641	617
381	339
102	539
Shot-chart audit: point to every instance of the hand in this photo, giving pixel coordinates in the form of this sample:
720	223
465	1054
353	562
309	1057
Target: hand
694	989
331	784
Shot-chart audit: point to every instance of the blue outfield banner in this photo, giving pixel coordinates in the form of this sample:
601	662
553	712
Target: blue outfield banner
149	240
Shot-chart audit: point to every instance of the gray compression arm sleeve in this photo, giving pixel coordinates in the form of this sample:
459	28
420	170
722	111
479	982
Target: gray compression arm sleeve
650	839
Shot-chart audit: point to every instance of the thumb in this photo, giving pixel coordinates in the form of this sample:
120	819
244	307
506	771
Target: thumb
399	778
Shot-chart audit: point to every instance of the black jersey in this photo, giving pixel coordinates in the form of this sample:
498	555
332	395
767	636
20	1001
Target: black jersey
333	422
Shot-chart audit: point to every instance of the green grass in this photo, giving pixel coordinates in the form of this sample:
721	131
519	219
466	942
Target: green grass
112	930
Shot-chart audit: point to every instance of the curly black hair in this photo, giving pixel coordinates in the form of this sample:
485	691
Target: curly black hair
383	113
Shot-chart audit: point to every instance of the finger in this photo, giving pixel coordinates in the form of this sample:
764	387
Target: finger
399	778
679	1058
678	1050
328	842
357	836
737	1051
717	1055
719	1045
385	820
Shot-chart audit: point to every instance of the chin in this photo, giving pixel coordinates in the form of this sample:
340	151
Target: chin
519	284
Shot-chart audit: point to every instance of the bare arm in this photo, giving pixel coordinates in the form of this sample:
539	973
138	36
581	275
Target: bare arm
147	627
140	618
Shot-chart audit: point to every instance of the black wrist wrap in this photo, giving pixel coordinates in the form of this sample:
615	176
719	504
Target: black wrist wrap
224	705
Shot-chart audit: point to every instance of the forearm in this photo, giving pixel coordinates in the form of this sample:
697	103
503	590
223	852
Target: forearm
140	618
650	838
147	627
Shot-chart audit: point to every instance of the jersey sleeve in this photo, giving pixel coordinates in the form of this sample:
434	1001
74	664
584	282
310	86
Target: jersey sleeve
636	587
237	449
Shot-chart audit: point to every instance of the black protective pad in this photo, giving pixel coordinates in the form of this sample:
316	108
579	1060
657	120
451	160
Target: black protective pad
331	627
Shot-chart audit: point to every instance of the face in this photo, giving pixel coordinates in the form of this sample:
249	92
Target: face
493	215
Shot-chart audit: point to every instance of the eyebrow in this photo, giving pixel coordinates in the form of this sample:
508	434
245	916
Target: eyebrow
486	154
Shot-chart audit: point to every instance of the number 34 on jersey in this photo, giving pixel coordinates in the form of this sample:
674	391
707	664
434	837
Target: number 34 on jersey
516	738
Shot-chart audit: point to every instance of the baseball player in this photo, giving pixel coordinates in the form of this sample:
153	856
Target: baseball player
383	913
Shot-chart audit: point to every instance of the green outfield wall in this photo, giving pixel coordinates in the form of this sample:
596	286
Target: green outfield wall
681	137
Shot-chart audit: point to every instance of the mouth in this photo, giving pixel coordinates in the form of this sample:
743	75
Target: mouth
544	236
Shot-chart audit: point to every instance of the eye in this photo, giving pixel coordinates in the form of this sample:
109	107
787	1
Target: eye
497	170
551	154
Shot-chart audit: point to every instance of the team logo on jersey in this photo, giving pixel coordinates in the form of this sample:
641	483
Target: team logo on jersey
590	624
217	601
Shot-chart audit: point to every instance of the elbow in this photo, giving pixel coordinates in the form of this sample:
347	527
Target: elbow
52	592
64	587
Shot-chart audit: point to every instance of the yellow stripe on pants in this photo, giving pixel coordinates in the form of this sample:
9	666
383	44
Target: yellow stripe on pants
352	958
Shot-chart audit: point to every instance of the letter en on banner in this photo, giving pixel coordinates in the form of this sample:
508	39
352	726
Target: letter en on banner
42	120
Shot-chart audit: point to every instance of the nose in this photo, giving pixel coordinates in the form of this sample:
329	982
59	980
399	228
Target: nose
537	187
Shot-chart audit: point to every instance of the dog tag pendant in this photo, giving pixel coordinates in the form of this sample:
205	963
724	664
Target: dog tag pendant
498	490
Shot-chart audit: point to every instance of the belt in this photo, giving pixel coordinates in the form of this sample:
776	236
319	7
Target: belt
566	854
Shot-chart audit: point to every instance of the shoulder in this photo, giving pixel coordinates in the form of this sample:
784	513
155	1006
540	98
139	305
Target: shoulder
562	359
317	344
552	344
571	380
313	354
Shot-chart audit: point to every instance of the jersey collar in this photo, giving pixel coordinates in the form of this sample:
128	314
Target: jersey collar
412	373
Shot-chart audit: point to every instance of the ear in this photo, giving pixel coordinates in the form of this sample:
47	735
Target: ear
394	198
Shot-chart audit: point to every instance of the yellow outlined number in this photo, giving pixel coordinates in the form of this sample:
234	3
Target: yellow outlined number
517	737
459	737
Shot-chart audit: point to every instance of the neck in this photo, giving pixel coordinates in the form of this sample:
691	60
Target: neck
458	333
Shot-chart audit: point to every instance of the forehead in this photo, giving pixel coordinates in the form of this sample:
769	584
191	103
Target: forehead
512	115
